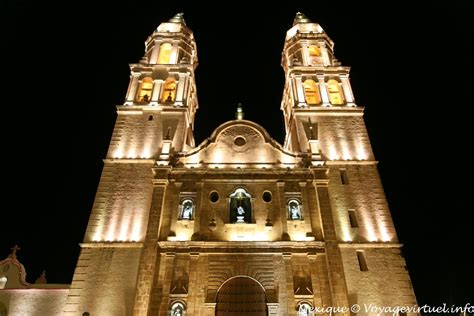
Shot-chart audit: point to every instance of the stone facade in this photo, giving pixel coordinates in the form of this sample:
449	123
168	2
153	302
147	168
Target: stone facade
165	227
238	225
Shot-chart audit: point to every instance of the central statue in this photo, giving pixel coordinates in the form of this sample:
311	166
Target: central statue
241	214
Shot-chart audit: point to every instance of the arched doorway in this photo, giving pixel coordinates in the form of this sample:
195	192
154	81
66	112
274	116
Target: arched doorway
241	296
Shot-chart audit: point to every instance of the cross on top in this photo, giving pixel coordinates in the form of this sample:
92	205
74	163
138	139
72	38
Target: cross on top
14	250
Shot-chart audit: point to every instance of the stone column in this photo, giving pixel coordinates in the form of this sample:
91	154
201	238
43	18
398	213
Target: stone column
337	279
166	283
290	291
180	90
283	213
132	89
325	55
346	87
155	95
306	214
298	86
323	90
198	220
154	53
146	268
194	284
174	54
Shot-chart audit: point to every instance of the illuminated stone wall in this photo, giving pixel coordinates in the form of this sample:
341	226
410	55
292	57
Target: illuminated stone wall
139	133
322	118
142	255
386	283
342	134
123	218
104	280
365	196
35	302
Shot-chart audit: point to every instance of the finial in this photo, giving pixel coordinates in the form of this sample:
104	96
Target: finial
178	18
239	114
42	278
14	250
168	132
300	18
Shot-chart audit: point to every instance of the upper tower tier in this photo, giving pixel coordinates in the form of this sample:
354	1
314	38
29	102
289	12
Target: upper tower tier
165	74
318	105
171	43
306	44
157	117
314	77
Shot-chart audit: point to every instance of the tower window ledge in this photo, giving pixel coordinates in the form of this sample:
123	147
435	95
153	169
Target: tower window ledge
141	103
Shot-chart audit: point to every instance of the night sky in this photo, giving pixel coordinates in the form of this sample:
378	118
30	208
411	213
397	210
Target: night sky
66	68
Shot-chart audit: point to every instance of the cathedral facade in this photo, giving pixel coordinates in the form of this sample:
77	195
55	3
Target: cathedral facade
239	224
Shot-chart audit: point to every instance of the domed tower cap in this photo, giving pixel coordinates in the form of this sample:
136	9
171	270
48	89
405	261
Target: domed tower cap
301	18
178	18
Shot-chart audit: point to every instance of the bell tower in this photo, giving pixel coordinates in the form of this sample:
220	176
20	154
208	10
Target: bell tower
317	89
323	121
163	89
155	121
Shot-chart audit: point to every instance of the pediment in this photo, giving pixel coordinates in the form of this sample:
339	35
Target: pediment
240	143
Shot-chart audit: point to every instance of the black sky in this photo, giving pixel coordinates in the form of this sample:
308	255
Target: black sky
66	68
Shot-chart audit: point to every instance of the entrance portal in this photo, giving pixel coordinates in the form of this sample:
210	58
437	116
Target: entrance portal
241	296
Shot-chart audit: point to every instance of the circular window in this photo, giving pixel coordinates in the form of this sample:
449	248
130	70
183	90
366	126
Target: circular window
214	196
239	141
267	196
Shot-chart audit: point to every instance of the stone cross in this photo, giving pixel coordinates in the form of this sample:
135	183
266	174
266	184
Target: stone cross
14	250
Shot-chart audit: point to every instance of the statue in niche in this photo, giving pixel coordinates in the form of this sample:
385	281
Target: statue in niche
304	309
240	206
240	214
294	208
177	309
187	209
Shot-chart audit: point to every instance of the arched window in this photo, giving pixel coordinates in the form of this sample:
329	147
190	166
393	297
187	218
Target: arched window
168	95
146	88
177	309
314	55
240	206
335	92
304	309
314	51
311	92
294	210
186	209
165	53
